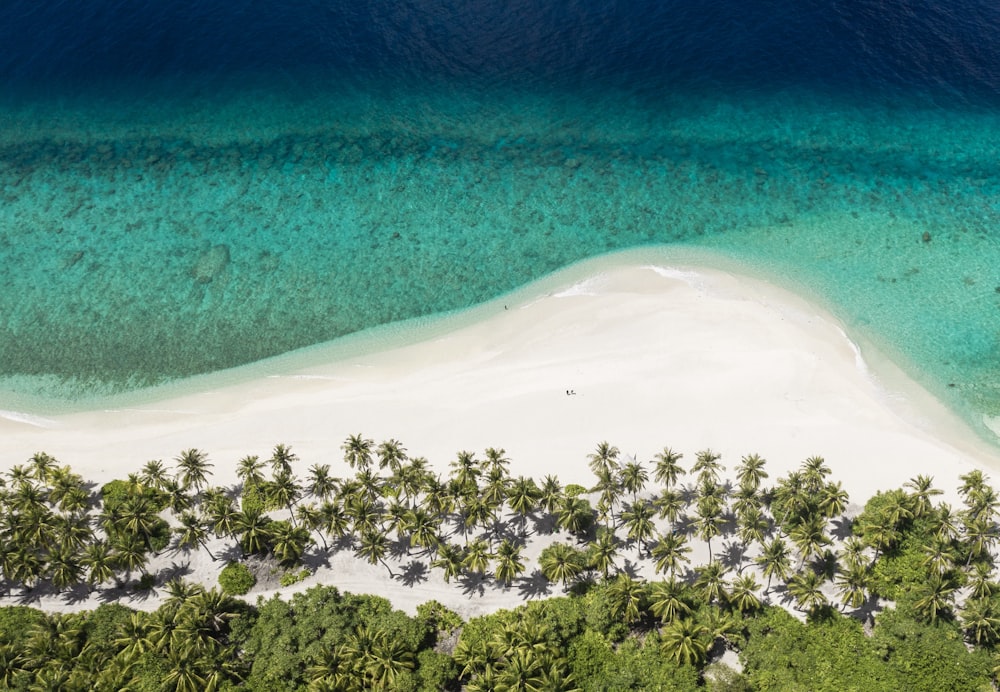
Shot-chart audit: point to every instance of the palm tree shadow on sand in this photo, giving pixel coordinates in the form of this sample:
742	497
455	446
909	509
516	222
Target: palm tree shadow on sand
473	584
413	573
534	585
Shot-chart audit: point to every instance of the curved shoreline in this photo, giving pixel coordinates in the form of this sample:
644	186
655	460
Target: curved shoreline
657	348
657	353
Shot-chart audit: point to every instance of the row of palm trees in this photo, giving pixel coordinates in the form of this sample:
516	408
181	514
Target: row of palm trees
475	522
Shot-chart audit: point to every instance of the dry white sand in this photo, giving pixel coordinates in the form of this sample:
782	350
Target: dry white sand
657	355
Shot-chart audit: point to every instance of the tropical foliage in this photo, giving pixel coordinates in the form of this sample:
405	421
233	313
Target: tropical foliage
664	567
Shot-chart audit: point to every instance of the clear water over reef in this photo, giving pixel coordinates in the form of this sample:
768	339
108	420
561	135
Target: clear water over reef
158	220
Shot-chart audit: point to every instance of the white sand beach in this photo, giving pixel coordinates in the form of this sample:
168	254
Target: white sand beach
674	355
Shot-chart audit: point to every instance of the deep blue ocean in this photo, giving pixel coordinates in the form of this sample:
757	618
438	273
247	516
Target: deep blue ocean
189	186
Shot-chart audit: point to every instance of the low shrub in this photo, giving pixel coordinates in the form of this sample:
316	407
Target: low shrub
235	579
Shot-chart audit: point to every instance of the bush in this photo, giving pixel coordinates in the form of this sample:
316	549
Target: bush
114	493
289	578
159	536
235	579
437	617
573	490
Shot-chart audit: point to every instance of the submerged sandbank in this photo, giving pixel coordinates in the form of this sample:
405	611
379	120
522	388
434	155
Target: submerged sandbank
658	351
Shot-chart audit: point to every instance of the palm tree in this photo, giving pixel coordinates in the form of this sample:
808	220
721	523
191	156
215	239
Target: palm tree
311	519
508	563
137	516
934	597
369	484
366	514
395	518
709	520
477	557
707	467
478	512
980	583
192	533
322	485
192	465
711	581
288	542
437	499
814	472
633	478
154	474
809	538
450	559
251	526
336	523
129	553
750	471
685	641
833	500
945	521
981	621
774	562
465	470
743	593
667	469
923	490
250	470
746	499
668	600
853	552
411	477
551	494
73	530
41	466
939	556
221	514
575	515
852	585
496	460
880	533
423	528
391	454
388	659
669	552
561	562
638	519
669	505
626	597
494	491
133	640
65	569
602	551
806	588
752	526
972	482
522	498
605	457
373	546
524	672
98	560
285	491
610	489
358	452
980	534
184	674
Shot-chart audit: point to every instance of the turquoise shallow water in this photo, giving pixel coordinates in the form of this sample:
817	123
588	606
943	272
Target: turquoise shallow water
146	238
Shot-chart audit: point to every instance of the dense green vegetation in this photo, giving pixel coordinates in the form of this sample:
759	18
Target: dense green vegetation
901	595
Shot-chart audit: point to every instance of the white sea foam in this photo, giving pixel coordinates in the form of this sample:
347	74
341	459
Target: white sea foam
18	417
691	278
587	287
